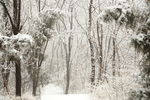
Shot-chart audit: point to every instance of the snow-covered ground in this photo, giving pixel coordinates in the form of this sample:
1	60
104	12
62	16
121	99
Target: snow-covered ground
51	89
66	97
52	92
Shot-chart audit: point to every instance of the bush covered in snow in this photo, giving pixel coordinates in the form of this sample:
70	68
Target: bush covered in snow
49	17
141	42
116	88
122	13
46	20
16	45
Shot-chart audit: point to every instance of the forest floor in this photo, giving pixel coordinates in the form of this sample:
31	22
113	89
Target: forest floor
56	93
66	97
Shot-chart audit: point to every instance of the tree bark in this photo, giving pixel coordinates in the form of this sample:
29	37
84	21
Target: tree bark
16	16
16	30
92	78
39	5
68	66
68	56
18	77
114	52
100	43
114	57
36	71
92	63
35	83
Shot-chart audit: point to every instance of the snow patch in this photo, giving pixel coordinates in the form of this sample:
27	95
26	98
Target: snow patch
52	89
138	37
66	97
54	92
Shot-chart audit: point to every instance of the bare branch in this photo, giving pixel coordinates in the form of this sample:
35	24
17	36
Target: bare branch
19	14
3	4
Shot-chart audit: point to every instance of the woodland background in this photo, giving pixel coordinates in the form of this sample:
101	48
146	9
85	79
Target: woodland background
82	46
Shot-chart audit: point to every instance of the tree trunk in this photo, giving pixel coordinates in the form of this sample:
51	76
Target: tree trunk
35	84
18	77
67	74
92	63
114	53
15	23
91	44
36	71
39	5
16	30
68	55
16	16
100	43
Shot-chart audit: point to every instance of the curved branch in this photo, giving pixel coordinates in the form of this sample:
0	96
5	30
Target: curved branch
3	4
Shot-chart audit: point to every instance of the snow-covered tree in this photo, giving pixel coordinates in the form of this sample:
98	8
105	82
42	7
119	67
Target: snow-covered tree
16	26
42	27
129	15
141	42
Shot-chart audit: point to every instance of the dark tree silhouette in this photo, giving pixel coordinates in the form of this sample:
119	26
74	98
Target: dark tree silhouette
16	27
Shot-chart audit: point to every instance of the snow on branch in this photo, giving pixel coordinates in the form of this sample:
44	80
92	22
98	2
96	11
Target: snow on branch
50	16
121	12
141	40
45	21
7	12
16	45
